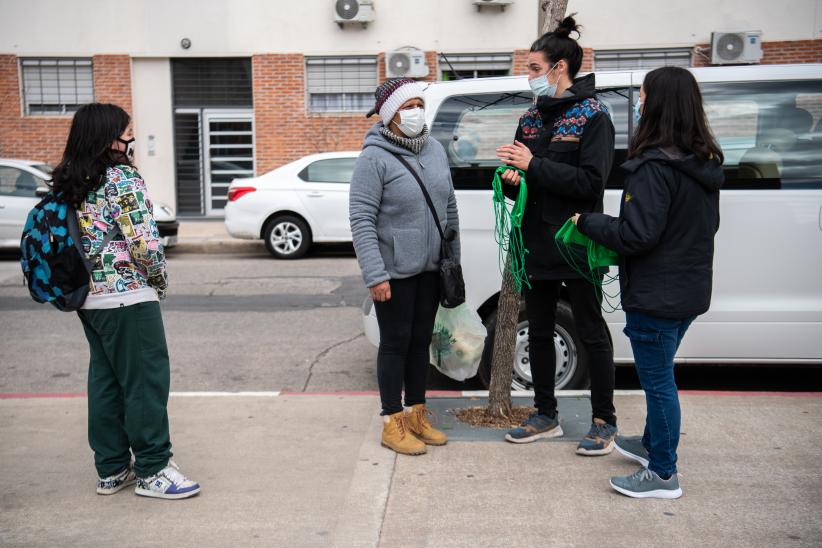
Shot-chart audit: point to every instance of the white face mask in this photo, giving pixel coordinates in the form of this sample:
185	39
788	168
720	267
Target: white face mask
412	121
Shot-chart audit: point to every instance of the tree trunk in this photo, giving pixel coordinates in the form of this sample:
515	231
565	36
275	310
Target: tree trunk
550	13
505	337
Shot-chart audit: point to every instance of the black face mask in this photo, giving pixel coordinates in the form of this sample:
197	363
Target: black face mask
129	147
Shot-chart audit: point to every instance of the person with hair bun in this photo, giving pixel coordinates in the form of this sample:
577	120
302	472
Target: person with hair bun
565	145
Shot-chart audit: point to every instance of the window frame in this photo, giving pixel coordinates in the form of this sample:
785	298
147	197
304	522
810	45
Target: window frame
66	109
363	60
461	63
639	54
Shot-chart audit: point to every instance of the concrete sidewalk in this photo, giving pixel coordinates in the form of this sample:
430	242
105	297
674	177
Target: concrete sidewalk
211	236
308	470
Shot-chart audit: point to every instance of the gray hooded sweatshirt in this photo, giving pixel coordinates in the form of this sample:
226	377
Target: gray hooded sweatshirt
392	227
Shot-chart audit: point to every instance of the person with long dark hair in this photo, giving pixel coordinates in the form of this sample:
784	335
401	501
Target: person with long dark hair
665	234
565	144
128	379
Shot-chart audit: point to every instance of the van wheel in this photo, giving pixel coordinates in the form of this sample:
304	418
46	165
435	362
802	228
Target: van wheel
572	363
287	237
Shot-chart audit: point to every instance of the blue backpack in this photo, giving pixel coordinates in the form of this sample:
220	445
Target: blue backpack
55	266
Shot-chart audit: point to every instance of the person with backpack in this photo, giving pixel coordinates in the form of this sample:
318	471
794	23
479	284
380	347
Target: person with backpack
403	213
565	146
665	231
128	380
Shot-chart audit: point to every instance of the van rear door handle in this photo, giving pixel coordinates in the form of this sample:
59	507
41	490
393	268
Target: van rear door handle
315	194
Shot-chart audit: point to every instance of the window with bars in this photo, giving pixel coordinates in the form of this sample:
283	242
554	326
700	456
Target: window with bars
341	84
56	86
636	59
480	65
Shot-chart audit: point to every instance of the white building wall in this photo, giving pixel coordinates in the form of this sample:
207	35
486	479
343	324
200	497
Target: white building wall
242	27
153	121
626	24
154	28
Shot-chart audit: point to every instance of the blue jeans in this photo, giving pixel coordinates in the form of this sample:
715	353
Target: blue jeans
655	342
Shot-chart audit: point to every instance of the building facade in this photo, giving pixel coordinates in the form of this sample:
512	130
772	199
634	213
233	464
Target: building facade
221	89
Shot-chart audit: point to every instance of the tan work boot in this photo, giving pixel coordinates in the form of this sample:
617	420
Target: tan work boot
419	424
397	436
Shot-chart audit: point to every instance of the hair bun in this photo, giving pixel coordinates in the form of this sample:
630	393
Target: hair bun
566	26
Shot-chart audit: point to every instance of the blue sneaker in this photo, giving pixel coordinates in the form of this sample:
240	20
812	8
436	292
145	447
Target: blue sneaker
632	448
646	484
599	440
536	426
168	483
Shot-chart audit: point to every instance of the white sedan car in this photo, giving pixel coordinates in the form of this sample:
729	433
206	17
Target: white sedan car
23	183
294	206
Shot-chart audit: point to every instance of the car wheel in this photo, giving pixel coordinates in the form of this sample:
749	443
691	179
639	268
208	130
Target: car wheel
287	237
572	363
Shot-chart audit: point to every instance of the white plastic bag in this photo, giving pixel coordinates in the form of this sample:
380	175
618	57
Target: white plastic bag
457	342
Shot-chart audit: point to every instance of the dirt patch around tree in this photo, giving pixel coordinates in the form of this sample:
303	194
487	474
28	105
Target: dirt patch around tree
478	416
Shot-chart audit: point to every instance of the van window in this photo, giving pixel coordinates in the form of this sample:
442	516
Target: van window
770	132
471	127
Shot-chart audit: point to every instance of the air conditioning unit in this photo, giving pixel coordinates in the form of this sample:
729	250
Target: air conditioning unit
353	11
405	63
735	48
494	3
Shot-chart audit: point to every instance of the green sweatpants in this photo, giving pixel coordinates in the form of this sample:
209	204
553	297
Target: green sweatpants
128	383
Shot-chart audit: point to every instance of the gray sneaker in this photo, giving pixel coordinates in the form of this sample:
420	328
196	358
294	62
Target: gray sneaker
632	448
536	426
599	440
646	484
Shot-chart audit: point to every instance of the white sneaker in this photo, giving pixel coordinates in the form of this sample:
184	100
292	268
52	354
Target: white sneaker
168	483
117	482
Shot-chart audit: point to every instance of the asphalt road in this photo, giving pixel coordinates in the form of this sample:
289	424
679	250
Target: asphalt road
248	322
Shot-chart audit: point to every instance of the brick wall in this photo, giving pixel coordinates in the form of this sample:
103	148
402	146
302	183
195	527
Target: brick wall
285	130
112	80
794	51
44	137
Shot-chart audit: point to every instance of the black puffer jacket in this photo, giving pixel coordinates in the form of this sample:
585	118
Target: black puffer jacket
665	233
572	140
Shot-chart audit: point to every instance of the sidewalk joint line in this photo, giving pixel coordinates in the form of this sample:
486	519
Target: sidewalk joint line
387	499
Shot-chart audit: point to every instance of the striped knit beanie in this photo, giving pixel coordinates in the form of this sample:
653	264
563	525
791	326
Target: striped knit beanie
391	95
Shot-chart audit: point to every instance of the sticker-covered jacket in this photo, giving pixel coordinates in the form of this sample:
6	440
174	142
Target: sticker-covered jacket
134	259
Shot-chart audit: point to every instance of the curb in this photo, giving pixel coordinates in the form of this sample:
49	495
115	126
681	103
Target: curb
468	394
222	246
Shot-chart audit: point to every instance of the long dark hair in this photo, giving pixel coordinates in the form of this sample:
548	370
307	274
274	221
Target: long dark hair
88	151
673	116
559	45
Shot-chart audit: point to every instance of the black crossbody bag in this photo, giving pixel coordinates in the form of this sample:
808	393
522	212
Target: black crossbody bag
452	285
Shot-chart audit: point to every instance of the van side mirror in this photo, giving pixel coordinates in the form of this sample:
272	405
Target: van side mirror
41	191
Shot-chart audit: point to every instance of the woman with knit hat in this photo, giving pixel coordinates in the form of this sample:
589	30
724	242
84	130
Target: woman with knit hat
398	248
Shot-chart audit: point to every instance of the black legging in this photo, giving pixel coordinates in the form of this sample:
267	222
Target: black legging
406	324
540	308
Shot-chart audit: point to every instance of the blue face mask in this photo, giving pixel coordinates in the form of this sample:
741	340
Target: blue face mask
540	86
637	112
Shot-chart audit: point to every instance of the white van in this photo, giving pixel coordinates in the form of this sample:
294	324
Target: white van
767	290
